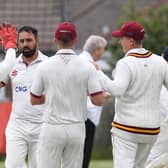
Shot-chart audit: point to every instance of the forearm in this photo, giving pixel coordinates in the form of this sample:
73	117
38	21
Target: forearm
115	87
110	86
7	64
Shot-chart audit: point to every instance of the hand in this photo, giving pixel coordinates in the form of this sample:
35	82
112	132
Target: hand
95	65
8	35
107	95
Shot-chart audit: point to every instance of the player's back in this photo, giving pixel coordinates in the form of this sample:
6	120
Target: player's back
66	79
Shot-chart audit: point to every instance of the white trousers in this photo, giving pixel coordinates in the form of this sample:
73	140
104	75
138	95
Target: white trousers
127	154
61	146
159	152
21	141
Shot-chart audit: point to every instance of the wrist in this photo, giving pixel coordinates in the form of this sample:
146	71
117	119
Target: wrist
10	44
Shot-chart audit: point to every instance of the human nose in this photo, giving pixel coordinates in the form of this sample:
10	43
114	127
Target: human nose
24	43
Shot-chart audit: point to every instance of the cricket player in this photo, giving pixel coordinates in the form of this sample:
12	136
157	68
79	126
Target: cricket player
92	51
24	125
8	39
138	80
63	83
158	156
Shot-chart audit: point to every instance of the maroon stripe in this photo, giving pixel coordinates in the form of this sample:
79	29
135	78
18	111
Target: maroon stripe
96	93
142	128
142	53
136	132
146	133
35	95
138	55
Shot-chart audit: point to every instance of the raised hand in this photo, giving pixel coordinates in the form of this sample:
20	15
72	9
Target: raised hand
8	36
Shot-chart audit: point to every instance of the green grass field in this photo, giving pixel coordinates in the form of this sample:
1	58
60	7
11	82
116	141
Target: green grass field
101	164
93	164
2	164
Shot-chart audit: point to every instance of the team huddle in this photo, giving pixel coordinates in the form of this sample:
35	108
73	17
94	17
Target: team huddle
52	98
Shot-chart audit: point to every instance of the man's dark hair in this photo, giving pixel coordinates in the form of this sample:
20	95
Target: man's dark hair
29	29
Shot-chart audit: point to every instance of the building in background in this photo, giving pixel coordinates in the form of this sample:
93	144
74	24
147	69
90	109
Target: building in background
90	16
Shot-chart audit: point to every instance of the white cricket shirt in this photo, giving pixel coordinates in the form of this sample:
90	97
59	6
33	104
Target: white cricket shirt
66	79
137	84
22	76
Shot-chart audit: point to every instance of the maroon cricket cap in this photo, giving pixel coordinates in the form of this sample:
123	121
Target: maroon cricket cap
130	29
65	29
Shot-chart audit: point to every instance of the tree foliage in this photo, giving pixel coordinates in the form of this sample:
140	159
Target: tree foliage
154	19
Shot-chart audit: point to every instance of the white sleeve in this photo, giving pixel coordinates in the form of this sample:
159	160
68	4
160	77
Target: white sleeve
103	76
7	64
94	86
37	87
166	76
5	79
119	85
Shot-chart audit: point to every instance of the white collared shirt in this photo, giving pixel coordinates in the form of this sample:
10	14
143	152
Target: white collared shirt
22	76
66	79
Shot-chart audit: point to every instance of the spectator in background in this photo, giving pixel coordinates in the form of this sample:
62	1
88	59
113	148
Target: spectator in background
24	125
159	153
66	80
92	51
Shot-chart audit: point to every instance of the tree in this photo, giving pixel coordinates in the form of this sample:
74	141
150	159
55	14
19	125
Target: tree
154	19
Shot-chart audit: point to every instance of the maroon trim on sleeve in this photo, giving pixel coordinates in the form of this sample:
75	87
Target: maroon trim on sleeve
96	93
35	95
3	83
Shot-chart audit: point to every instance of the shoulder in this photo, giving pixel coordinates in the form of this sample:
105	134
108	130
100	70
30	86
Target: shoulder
42	56
124	61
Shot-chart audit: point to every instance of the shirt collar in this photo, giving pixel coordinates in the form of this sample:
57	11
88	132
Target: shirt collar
66	51
137	50
87	55
39	58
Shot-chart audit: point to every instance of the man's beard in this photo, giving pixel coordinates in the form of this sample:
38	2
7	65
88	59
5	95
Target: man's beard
29	53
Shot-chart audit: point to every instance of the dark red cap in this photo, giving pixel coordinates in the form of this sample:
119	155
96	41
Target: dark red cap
65	29
130	29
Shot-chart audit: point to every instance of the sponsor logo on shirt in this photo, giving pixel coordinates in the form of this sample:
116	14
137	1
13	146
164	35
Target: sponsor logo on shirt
21	88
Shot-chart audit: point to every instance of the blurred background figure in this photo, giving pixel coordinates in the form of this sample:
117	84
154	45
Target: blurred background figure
159	153
92	51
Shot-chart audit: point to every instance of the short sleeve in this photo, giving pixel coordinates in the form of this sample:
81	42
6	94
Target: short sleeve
38	83
94	86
